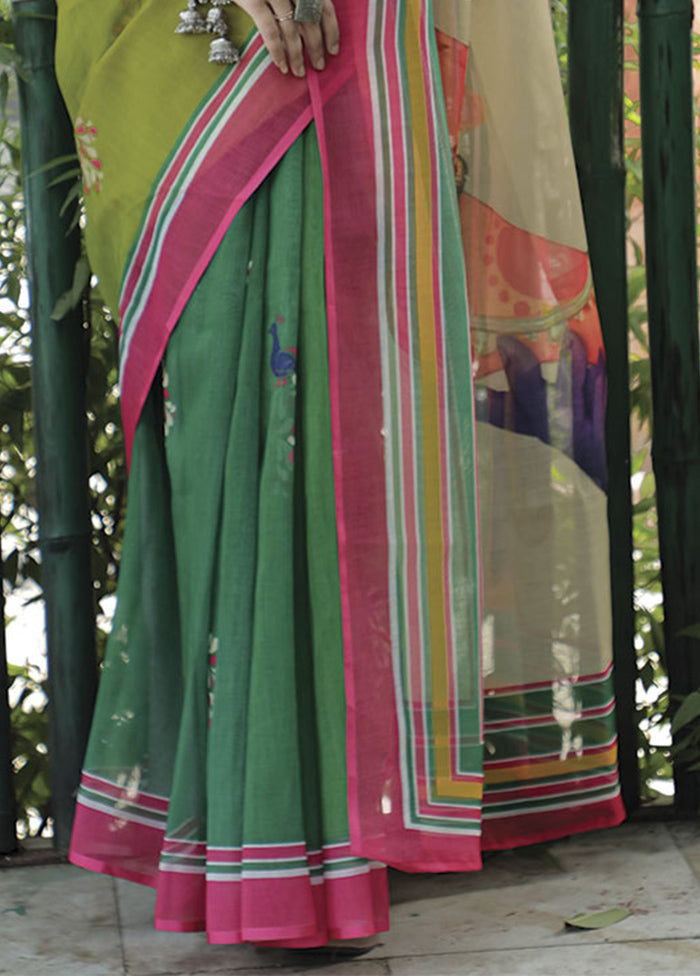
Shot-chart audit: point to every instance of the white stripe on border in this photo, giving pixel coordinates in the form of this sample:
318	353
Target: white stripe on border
610	795
118	814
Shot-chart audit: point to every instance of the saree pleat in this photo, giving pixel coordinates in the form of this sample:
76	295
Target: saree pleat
363	615
248	833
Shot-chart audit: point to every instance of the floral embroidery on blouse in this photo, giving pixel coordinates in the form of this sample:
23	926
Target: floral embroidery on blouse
85	138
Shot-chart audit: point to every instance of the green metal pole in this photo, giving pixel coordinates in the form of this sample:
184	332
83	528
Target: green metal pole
596	85
59	359
8	839
665	28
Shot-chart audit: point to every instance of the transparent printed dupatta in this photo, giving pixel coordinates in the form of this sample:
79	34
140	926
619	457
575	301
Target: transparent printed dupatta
477	647
539	385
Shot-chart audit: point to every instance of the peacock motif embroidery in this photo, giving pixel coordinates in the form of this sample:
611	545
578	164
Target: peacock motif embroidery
283	362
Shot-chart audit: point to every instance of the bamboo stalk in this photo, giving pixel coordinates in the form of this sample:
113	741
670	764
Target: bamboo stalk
59	359
597	115
669	211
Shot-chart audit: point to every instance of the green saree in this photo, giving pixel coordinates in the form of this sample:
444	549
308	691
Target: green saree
335	649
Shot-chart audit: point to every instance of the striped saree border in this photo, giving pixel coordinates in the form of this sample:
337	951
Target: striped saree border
174	181
430	787
318	894
551	753
414	154
122	804
223	155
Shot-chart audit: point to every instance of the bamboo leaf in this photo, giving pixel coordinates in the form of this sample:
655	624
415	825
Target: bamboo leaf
71	298
598	920
688	711
53	163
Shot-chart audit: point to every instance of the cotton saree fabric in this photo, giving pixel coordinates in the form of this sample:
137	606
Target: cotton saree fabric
465	477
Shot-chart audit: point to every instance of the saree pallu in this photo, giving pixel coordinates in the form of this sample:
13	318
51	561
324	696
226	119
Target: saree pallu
363	611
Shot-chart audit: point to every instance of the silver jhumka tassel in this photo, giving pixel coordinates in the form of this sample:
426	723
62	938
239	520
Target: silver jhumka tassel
221	50
216	22
308	11
191	21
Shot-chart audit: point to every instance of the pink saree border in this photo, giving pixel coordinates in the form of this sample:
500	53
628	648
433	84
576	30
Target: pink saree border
309	910
246	150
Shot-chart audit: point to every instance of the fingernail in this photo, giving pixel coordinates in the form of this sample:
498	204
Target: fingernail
300	72
320	64
334	48
282	65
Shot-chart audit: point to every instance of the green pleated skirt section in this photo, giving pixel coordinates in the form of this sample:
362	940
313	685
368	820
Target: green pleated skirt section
222	689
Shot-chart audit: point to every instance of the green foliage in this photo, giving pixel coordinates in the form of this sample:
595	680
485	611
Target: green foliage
560	23
30	750
686	732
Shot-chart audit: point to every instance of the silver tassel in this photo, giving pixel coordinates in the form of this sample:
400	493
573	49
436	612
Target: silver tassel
222	51
216	22
191	21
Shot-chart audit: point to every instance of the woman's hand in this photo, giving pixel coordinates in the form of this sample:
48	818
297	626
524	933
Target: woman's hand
286	39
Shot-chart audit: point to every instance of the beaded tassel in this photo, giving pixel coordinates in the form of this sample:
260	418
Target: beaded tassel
216	22
191	21
221	50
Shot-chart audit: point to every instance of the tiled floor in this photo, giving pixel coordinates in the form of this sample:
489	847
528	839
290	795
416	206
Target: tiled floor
509	919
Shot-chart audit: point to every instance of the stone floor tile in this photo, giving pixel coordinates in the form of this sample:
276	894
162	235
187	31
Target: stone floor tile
148	952
151	953
502	869
639	867
687	838
349	967
662	958
56	921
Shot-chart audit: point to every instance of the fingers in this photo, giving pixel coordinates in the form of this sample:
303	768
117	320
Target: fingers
323	37
330	28
264	20
286	39
289	31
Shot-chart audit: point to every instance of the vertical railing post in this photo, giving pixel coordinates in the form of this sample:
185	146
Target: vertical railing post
596	85
59	359
8	840
668	154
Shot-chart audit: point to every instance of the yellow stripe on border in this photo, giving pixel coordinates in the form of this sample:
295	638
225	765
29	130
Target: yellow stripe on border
430	407
553	767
